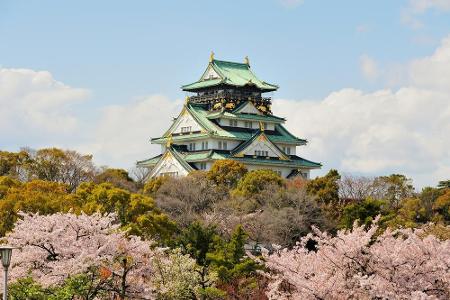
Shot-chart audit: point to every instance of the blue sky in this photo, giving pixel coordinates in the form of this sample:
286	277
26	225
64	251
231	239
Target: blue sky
118	53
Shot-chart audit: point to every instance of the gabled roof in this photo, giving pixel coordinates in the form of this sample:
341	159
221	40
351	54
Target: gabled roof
201	115
260	135
230	73
158	160
293	161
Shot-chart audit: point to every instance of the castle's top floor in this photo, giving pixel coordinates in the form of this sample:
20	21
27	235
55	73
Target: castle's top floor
229	75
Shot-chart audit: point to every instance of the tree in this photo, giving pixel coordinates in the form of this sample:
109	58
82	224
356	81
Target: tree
64	166
36	196
176	276
444	184
358	264
394	188
326	188
186	199
57	247
226	173
442	207
364	212
256	181
137	212
198	241
117	177
13	164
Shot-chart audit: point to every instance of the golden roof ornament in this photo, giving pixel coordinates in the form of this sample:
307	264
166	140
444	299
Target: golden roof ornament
186	100
169	141
211	56
261	126
246	61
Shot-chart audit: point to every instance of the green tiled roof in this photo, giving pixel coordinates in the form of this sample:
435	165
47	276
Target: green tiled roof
231	73
210	155
240	116
149	162
200	114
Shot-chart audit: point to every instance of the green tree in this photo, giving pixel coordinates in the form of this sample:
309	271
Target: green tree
36	196
117	177
444	184
256	181
326	188
226	173
442	207
137	212
152	186
13	164
64	166
197	241
364	212
394	188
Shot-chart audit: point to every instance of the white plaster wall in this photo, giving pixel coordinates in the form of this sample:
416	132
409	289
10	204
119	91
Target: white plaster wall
262	146
249	108
210	73
240	123
170	164
186	120
293	148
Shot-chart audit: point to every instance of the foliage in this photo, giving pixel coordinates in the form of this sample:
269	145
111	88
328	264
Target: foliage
326	188
394	188
226	173
176	276
442	206
152	186
36	196
117	177
135	211
444	184
64	166
358	264
364	212
186	199
256	181
14	163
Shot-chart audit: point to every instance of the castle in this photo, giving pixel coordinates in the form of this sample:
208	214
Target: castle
227	116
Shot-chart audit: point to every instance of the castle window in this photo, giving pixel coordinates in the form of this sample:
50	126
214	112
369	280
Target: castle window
186	129
170	174
248	124
205	145
233	123
203	166
191	146
288	150
223	145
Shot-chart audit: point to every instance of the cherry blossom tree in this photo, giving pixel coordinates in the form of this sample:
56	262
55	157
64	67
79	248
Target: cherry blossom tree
55	247
363	264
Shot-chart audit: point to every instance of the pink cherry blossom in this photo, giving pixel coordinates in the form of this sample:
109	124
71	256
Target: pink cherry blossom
358	264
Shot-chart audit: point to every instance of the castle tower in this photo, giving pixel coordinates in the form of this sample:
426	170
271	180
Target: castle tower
228	117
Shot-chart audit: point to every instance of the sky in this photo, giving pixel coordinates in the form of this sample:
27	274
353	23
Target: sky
366	82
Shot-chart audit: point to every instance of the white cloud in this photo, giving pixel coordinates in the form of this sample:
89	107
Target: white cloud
405	131
368	67
418	7
123	132
433	71
33	103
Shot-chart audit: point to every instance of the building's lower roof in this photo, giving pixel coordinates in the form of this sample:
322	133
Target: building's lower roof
294	161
